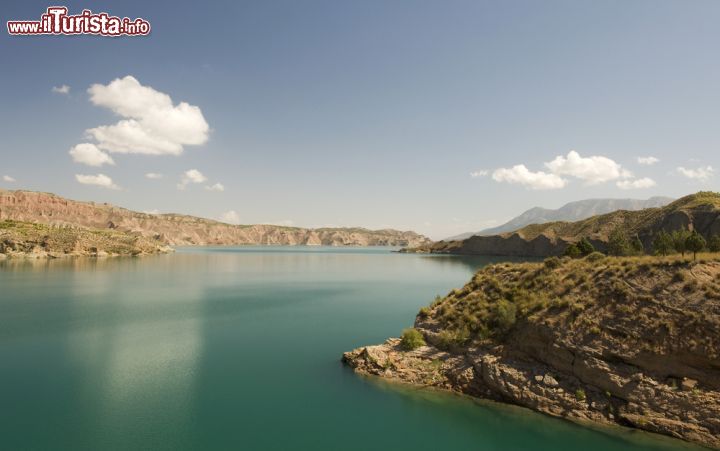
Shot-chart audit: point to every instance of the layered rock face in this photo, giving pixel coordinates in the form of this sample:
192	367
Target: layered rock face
700	212
175	229
619	341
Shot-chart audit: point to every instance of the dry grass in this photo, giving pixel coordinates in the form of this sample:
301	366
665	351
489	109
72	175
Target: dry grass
664	297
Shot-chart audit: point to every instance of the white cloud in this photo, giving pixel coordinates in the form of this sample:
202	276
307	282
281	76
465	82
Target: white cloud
644	182
154	175
215	187
154	211
282	222
647	161
7	178
231	217
594	169
90	155
62	89
480	173
97	180
701	173
151	125
535	180
191	176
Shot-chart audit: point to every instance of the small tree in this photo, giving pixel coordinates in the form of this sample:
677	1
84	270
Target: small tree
637	246
695	243
572	251
663	243
618	243
714	243
585	247
679	237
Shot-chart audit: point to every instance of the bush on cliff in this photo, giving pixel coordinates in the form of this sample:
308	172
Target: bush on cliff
412	339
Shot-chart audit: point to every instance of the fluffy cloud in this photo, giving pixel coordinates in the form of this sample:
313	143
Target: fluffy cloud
231	217
90	155
97	180
191	176
7	178
701	174
154	175
480	173
151	125
535	180
63	89
594	169
647	161
644	182
215	187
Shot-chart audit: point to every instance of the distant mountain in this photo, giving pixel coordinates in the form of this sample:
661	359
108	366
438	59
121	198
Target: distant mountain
175	229
699	212
573	211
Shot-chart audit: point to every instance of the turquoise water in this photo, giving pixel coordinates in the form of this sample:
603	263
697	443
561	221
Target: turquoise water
239	348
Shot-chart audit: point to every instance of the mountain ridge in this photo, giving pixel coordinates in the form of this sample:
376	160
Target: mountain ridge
699	211
178	229
571	211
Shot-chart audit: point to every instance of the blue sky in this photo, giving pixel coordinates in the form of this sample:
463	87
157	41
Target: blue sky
371	113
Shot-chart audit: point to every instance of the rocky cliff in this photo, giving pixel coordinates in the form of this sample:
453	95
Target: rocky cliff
699	212
175	229
23	239
628	341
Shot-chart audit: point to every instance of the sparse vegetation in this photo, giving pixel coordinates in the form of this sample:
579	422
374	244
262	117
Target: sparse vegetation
577	293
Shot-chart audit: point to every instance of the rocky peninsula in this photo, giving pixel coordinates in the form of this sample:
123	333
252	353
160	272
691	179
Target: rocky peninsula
630	341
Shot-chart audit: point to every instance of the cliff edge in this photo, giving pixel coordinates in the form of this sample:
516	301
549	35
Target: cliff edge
630	341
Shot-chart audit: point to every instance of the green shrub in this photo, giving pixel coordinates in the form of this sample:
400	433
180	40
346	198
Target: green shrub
450	338
580	394
572	251
552	262
504	316
424	312
585	247
412	339
595	256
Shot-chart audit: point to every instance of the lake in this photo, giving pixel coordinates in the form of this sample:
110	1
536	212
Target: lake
239	348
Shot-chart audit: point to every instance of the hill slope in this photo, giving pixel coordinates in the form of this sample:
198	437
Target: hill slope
699	212
24	239
175	229
573	211
631	341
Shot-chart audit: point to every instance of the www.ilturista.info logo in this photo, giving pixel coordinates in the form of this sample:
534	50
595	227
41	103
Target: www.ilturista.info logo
57	21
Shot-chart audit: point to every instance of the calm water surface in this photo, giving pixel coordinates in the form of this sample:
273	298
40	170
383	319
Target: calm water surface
239	348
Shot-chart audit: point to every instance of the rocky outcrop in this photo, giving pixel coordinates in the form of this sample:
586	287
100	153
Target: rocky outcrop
700	212
174	229
632	342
